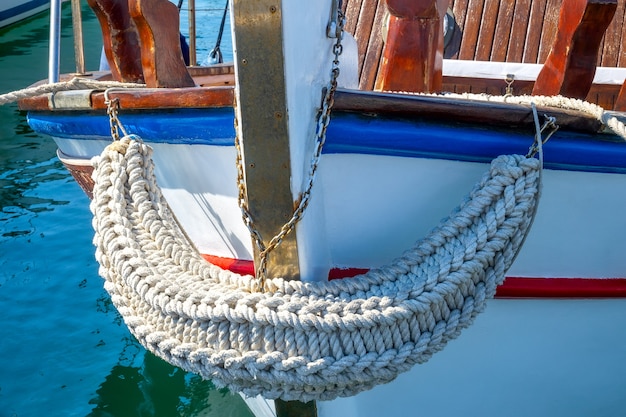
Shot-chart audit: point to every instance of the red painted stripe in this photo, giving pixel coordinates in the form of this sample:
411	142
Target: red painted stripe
517	287
513	287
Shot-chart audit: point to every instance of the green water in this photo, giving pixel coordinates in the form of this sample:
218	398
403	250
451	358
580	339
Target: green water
64	350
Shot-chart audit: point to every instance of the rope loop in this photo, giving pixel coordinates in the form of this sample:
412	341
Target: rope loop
301	341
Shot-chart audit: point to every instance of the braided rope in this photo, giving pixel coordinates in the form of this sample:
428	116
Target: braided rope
301	341
76	83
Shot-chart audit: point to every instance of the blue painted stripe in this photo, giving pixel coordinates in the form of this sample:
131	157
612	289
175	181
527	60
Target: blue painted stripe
187	126
565	150
22	8
352	133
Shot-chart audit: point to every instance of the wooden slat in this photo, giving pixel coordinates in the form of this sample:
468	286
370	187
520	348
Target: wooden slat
550	26
374	51
519	28
459	8
533	35
611	45
363	30
502	36
621	60
471	29
351	10
487	30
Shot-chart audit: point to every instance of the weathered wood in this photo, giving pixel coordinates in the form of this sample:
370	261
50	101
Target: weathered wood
612	42
549	28
413	53
157	23
374	46
502	33
519	27
571	65
120	39
470	111
263	127
471	29
488	28
534	31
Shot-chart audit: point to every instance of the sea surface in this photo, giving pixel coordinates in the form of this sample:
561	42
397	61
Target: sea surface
64	350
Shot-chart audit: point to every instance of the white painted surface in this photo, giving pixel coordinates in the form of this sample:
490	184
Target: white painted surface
521	71
366	210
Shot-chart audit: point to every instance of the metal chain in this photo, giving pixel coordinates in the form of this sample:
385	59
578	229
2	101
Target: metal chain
305	197
113	106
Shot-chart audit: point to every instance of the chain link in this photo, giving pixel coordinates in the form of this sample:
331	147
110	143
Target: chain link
113	106
304	198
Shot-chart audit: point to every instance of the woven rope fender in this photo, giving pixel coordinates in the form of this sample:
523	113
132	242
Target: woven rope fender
301	341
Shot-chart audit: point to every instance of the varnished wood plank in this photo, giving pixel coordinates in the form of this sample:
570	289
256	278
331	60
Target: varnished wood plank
412	57
621	61
352	9
120	39
550	25
364	29
162	61
502	36
533	34
612	41
374	51
471	29
519	28
487	30
459	10
446	109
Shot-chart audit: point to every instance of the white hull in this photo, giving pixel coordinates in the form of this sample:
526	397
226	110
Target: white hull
369	209
522	357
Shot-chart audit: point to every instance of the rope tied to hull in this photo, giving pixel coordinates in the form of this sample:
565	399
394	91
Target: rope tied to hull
301	341
76	83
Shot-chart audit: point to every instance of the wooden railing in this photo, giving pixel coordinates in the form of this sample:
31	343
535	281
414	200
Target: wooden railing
523	31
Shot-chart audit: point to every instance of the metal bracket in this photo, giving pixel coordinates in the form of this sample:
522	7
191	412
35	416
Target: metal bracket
332	30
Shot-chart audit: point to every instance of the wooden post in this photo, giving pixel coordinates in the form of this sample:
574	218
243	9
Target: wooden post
158	27
263	119
121	42
264	133
413	53
571	64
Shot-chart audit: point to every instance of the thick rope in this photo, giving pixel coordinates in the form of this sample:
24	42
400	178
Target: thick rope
76	83
301	341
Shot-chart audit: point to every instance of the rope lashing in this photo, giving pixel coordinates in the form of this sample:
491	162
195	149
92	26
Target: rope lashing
76	83
301	341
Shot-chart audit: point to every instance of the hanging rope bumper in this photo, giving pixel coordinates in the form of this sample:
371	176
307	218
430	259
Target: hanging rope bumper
301	341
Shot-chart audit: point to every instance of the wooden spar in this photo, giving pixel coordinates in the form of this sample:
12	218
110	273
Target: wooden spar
413	52
77	26
120	39
162	61
571	64
263	126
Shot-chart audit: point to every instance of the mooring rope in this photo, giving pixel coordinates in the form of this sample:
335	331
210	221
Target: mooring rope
301	341
76	83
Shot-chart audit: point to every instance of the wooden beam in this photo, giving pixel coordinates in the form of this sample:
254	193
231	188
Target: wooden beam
120	38
571	64
158	27
263	124
413	53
